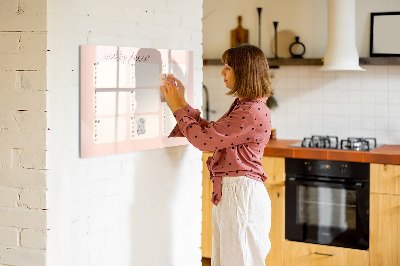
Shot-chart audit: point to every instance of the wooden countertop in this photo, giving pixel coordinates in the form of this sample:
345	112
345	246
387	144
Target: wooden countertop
389	154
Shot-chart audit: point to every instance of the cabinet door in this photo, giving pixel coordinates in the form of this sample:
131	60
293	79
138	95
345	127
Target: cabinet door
304	254
277	233
274	168
206	226
385	178
384	230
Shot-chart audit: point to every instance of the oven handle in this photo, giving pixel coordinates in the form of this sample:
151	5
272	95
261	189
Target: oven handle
357	185
324	254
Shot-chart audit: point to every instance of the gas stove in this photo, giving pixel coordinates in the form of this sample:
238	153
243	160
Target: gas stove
332	142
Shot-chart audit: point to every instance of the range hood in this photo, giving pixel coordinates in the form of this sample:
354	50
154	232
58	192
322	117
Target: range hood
341	51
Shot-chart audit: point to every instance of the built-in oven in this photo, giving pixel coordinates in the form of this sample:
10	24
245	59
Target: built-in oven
327	202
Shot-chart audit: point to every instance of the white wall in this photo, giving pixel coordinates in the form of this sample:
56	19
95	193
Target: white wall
306	19
139	208
23	133
311	102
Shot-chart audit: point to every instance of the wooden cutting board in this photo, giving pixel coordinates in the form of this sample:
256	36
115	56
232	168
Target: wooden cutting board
239	35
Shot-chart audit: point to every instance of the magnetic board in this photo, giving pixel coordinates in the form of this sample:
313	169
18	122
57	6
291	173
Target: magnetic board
122	106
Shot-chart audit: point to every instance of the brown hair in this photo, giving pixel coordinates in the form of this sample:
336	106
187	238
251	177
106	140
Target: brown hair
250	66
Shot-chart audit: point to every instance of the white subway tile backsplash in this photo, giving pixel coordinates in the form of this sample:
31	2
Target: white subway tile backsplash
368	122
355	96
394	110
355	122
380	71
354	80
303	82
329	93
382	123
394	97
291	71
347	103
342	109
367	110
394	83
382	136
355	132
381	97
355	109
381	84
342	81
381	110
394	123
393	71
292	83
394	137
329	109
304	72
367	96
367	133
342	122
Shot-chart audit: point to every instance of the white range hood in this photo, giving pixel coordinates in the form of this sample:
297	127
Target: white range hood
341	51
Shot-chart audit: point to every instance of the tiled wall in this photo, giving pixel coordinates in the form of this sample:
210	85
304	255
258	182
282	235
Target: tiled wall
343	103
313	102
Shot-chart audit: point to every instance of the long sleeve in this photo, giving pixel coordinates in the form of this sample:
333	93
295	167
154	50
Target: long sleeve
193	113
231	130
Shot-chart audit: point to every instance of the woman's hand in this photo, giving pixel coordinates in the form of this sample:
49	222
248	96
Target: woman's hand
172	96
181	92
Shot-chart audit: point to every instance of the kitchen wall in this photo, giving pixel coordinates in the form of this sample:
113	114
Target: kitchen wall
139	208
23	125
343	103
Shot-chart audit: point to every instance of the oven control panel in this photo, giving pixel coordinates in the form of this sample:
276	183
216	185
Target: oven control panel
336	169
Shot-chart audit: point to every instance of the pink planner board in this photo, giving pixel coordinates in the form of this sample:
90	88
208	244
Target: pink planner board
122	106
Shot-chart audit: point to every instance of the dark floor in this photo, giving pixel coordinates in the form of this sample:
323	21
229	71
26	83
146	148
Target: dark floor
206	261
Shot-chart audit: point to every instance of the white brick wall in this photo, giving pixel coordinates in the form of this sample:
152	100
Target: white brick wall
139	208
23	126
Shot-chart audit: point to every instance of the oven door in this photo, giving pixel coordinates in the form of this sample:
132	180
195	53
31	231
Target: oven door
327	213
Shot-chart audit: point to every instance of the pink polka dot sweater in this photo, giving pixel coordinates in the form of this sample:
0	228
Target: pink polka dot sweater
238	139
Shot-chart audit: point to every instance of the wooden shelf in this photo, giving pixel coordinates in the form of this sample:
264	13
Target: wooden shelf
273	63
380	61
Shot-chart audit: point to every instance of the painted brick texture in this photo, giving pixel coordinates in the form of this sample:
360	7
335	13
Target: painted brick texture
139	208
23	125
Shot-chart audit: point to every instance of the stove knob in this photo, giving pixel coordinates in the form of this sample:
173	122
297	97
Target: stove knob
343	168
308	166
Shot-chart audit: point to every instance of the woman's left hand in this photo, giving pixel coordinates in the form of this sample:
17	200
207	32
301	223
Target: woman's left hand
171	95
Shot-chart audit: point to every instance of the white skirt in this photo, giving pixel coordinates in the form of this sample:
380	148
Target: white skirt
241	223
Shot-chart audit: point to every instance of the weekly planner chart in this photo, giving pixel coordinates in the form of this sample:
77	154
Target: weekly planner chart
122	106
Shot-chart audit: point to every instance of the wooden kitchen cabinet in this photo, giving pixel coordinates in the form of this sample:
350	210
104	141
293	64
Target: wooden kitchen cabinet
384	236
206	225
274	168
385	215
305	254
385	178
277	233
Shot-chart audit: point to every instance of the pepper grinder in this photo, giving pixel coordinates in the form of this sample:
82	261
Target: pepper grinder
276	38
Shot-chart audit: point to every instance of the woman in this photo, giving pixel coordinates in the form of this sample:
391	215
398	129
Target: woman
242	208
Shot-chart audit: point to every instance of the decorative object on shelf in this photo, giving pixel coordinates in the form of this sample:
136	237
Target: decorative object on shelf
276	38
259	9
384	41
297	49
239	35
285	39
